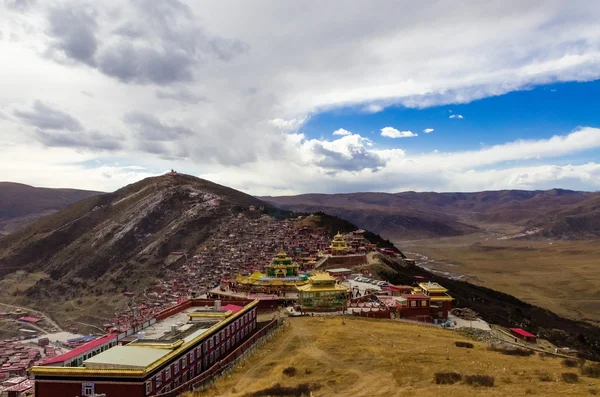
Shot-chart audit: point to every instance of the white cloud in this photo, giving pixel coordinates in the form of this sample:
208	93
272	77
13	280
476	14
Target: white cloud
391	132
428	130
289	125
341	131
373	108
240	94
456	116
344	164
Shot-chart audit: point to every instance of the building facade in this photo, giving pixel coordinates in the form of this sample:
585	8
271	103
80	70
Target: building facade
164	361
322	293
440	301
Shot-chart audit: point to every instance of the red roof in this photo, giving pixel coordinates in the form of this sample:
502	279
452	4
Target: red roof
28	384
30	319
233	308
80	350
522	332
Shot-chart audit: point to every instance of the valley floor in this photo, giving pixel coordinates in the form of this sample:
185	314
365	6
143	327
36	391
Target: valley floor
365	357
561	276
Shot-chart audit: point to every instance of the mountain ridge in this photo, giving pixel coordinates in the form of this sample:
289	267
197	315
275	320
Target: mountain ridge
430	214
21	203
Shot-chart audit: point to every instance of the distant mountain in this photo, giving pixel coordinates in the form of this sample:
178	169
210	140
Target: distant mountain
409	215
21	204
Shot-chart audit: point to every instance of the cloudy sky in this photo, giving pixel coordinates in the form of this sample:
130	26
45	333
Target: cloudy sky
282	97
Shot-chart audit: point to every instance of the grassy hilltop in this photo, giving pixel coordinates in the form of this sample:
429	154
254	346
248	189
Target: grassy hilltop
366	357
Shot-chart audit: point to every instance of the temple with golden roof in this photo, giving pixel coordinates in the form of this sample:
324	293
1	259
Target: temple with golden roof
281	274
339	246
322	293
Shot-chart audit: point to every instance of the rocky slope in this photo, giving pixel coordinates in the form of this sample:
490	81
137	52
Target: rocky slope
21	204
555	213
124	235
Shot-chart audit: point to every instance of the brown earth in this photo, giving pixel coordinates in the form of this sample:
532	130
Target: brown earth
562	276
83	257
365	357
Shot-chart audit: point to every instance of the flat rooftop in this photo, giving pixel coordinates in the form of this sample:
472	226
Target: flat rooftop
179	326
339	270
126	357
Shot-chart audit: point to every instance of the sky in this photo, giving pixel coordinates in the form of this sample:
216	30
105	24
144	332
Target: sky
280	98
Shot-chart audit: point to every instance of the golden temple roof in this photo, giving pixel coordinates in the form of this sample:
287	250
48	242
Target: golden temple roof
321	276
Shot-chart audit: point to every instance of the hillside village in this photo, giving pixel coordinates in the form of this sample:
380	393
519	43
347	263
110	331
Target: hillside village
252	263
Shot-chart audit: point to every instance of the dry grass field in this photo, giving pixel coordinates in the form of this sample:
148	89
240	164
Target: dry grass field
366	357
562	276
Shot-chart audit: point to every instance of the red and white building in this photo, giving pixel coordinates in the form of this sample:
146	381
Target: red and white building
187	343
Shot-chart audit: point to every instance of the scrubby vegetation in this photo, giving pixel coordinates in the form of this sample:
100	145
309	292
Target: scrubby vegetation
301	390
570	377
591	370
467	345
446	378
570	363
480	380
290	371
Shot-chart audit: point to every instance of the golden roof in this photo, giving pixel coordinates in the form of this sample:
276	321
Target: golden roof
321	276
319	288
321	281
445	298
256	275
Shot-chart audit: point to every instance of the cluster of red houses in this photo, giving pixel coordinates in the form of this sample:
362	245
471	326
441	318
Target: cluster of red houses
241	244
425	302
17	386
16	357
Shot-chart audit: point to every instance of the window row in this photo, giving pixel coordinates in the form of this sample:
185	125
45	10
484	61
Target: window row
218	345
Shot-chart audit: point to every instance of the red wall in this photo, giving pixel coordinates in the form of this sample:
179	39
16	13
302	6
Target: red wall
415	312
73	389
352	260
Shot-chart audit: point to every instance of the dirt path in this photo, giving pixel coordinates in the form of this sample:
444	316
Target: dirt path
90	325
29	309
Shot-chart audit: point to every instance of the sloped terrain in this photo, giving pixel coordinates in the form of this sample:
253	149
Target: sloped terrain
554	213
21	204
368	357
504	309
117	241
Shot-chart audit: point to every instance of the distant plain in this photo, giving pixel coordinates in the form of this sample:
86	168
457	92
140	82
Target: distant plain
559	275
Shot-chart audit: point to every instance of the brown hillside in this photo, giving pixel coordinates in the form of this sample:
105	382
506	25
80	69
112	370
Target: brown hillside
21	204
118	241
